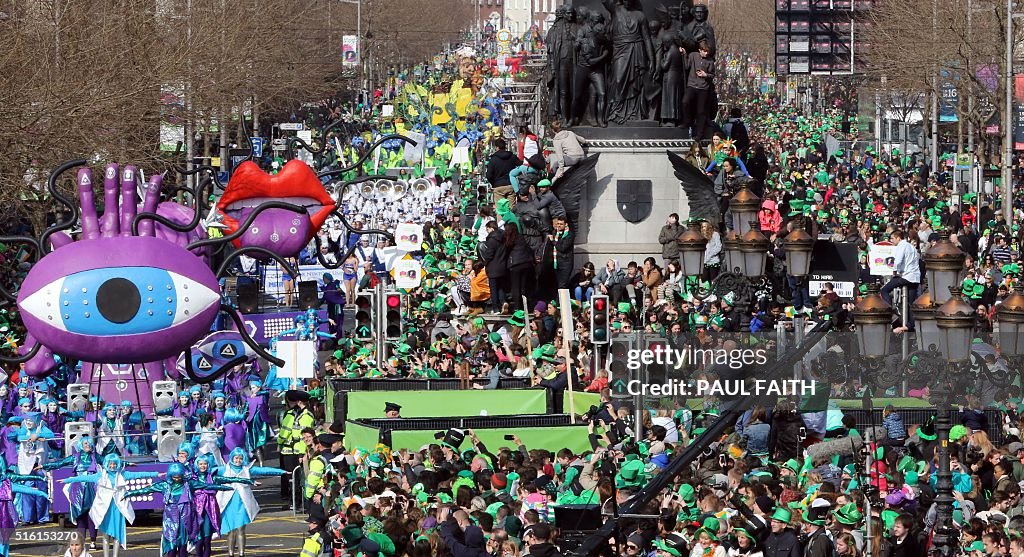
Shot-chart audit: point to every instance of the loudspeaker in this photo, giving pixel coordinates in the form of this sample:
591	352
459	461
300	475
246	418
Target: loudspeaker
170	432
78	397
73	431
164	395
309	296
248	297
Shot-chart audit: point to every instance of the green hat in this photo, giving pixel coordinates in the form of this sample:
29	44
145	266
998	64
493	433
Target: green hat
711	527
548	352
792	465
976	545
494	337
957	433
667	549
743	532
630	474
545	183
688	494
911	478
906	463
848	514
478	321
624	307
815	514
518	319
888	517
403	349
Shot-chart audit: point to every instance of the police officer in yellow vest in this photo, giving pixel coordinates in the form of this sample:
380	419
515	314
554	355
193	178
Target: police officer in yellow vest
316	537
319	468
289	437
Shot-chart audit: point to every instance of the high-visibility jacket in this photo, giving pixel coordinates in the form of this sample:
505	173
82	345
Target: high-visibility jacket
289	438
312	546
315	476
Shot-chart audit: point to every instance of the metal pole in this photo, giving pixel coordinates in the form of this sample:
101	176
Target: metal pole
1007	175
941	538
904	312
935	97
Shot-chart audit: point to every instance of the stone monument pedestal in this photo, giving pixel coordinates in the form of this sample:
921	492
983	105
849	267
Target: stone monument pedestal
632	160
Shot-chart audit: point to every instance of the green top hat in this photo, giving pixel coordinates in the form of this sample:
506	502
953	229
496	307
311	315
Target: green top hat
688	494
662	546
630	474
711	526
518	319
848	514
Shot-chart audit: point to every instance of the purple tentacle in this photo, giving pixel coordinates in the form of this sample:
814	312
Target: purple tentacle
90	222
128	203
59	240
149	204
110	223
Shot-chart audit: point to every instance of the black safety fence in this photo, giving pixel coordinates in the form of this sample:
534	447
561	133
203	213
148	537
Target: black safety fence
921	415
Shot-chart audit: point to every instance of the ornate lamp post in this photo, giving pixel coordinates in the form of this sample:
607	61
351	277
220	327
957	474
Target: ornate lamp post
955	319
1010	320
744	207
944	263
799	245
874	324
691	249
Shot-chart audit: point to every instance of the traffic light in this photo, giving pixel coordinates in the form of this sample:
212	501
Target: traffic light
392	316
657	371
599	320
363	321
619	374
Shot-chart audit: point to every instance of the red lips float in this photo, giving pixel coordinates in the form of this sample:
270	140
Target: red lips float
281	231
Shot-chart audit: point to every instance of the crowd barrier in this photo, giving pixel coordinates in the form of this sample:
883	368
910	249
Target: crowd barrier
918	416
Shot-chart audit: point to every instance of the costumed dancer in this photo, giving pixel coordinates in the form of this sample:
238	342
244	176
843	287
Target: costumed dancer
185	410
83	462
258	431
180	527
220	404
234	432
186	451
9	438
8	509
110	510
110	438
199	403
208	515
136	429
8	401
54	419
238	507
32	455
208	438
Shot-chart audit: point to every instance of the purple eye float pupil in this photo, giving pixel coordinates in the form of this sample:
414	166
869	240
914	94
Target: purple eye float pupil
118	300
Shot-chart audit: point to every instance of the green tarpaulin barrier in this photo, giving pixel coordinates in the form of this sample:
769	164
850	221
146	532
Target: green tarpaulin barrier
552	438
360	436
433	404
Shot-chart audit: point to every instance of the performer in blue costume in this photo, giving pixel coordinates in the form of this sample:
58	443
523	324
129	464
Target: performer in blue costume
208	514
83	461
257	410
110	436
33	451
238	507
110	509
8	510
180	525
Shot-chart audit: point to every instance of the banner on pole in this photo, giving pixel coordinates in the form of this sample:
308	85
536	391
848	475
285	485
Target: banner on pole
350	50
